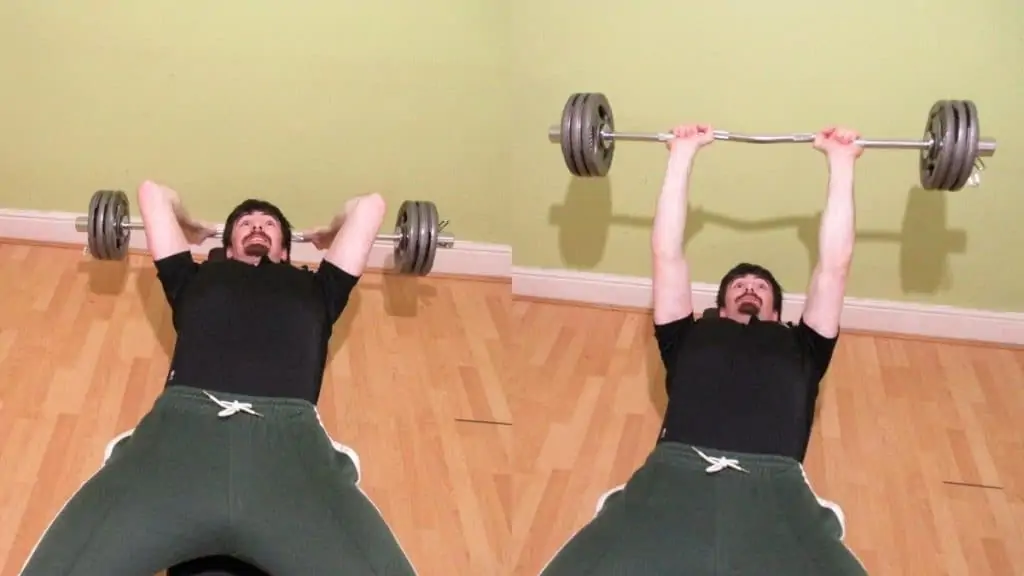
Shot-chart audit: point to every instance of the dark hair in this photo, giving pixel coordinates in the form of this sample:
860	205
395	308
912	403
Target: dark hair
747	269
255	205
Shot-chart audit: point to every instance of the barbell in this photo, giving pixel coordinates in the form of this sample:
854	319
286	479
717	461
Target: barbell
416	239
950	149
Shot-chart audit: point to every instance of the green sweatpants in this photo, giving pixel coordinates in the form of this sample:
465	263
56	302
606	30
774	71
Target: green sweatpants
689	511
257	479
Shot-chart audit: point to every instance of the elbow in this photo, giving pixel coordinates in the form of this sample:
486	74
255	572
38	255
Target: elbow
152	195
837	260
837	267
372	207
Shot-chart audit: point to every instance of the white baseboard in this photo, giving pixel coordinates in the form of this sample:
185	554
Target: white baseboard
495	260
902	318
463	259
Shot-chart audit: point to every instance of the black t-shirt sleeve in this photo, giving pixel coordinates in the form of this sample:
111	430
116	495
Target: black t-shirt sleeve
336	286
175	272
670	338
817	352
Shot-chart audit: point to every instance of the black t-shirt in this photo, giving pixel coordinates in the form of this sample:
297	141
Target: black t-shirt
742	387
259	330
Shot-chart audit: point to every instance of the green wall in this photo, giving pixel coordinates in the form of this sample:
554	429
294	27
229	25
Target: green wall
304	103
775	66
450	101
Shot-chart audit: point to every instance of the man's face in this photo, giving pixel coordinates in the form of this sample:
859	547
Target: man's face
255	235
749	296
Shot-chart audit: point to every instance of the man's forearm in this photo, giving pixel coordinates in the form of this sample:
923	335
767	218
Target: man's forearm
838	221
670	214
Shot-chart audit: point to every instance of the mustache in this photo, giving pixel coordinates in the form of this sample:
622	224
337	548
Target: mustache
257	235
749	295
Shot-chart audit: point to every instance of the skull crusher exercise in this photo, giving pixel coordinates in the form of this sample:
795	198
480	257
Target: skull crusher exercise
233	459
724	491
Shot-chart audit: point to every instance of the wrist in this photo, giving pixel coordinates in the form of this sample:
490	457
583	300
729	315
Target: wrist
681	161
841	162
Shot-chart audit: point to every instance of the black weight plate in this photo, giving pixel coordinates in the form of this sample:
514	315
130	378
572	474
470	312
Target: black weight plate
596	117
962	147
433	227
110	227
405	255
973	140
566	138
91	234
402	231
929	161
925	160
947	148
118	208
110	232
576	136
949	151
422	235
103	224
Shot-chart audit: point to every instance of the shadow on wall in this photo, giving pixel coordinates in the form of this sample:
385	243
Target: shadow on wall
925	239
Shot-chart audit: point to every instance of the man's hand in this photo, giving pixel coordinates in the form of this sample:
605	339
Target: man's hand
689	138
323	236
196	232
838	143
320	237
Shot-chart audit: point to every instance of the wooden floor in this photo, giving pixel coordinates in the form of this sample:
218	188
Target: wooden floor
413	384
488	427
921	443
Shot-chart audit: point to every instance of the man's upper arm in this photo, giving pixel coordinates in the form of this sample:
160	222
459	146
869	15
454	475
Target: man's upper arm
671	336
175	272
336	285
816	347
824	307
673	298
350	249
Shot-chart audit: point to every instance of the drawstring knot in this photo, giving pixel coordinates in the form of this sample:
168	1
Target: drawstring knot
719	463
233	407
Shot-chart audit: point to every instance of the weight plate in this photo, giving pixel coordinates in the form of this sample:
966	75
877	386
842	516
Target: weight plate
973	138
408	222
576	136
421	235
403	238
926	159
91	234
947	148
934	162
565	135
118	208
433	226
109	240
596	117
103	224
962	147
949	151
929	156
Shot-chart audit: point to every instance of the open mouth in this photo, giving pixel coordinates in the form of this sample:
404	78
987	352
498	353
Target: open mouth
257	237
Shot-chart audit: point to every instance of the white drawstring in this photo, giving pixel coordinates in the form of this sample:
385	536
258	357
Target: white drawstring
233	407
720	463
